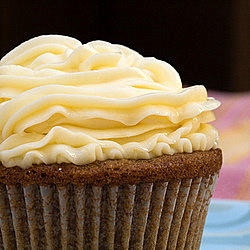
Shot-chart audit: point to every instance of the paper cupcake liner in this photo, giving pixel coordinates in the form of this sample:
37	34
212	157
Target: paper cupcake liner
160	215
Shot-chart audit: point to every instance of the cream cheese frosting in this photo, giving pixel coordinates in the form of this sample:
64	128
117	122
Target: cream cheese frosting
66	102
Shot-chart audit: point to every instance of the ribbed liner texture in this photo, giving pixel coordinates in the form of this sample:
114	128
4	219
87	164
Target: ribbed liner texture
161	215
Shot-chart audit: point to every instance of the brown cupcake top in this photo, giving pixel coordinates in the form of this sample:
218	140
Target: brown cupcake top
124	171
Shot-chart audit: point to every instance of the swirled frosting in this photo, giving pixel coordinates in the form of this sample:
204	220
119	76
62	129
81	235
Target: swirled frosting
65	102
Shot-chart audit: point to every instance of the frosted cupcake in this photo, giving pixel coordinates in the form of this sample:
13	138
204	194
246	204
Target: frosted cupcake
102	148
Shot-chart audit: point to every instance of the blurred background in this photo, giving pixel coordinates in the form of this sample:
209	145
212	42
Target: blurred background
206	41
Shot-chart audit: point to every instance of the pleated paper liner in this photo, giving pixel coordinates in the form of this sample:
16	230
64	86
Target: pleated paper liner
160	215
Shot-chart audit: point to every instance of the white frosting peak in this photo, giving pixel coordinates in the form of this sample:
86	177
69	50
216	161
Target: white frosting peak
61	101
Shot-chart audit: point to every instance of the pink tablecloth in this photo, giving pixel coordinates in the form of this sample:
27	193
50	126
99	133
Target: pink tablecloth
233	123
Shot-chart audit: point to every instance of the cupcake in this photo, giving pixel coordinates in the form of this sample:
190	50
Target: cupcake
102	148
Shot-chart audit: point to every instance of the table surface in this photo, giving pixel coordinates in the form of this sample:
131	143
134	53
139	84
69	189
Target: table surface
227	226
